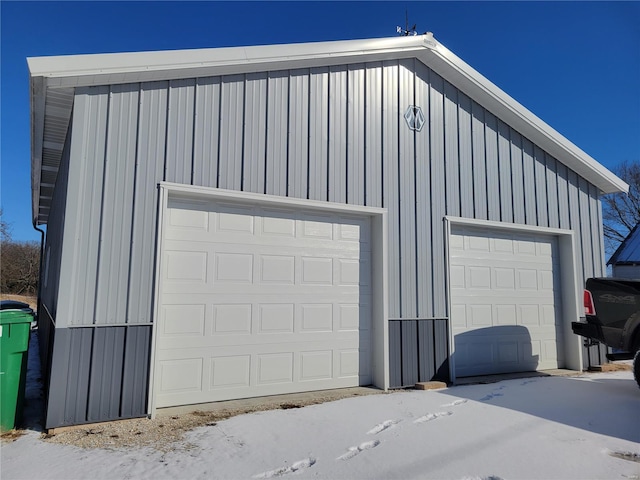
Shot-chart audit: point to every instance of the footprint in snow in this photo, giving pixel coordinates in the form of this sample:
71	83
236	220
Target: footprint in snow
300	465
631	456
381	427
353	451
528	381
490	396
431	416
457	402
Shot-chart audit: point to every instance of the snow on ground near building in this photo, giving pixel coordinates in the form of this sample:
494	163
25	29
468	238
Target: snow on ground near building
580	427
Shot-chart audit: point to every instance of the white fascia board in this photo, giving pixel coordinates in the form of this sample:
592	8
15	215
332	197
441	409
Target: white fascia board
109	68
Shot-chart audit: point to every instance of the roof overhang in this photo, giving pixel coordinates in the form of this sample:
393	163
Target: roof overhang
62	74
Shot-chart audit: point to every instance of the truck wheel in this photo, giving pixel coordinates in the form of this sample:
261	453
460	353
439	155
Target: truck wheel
636	367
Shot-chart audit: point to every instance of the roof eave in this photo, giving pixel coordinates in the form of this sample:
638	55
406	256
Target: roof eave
37	103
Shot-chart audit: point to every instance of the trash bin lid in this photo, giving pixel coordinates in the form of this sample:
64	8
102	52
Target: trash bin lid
12	311
13	305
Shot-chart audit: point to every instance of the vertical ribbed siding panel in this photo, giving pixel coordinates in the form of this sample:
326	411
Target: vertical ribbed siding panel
438	211
563	198
99	374
105	380
504	162
116	213
395	354
338	130
69	381
466	158
373	141
598	239
407	195
517	181
423	199
135	375
452	161
78	368
149	172
277	133
529	183
298	134
409	352
231	132
441	348
255	121
180	131
493	171
479	162
318	133
586	229
552	192
78	272
356	135
542	198
426	353
574	218
206	129
390	193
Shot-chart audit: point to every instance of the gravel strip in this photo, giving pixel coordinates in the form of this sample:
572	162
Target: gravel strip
163	432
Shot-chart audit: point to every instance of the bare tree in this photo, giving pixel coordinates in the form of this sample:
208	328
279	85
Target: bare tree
20	262
5	228
621	212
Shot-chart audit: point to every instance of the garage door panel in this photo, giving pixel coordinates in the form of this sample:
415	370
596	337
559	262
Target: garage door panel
230	371
274	301
265	341
505	295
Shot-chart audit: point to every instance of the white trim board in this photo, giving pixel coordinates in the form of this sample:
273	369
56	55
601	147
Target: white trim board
379	276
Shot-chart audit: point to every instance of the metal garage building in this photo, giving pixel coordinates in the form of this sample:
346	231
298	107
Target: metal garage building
237	222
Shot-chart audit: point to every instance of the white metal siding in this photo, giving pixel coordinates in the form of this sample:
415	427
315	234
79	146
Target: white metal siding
316	133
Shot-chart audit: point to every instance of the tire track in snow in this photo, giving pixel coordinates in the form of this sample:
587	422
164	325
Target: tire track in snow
353	451
278	472
381	427
431	416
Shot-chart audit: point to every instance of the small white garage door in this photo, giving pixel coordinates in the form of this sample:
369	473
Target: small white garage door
258	301
505	301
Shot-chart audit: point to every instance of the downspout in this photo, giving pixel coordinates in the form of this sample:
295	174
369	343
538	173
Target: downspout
39	299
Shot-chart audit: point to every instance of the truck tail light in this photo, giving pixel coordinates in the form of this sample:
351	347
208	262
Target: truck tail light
589	308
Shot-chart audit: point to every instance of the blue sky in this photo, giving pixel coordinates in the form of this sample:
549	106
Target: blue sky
576	65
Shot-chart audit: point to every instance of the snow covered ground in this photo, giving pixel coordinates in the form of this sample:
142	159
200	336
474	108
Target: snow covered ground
582	427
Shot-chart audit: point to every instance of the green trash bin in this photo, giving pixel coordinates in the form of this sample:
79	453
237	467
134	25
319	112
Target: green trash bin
15	326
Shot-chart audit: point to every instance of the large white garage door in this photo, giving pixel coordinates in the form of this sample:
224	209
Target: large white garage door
257	301
505	301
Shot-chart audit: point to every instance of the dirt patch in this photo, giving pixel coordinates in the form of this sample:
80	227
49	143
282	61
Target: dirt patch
29	299
163	432
10	436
